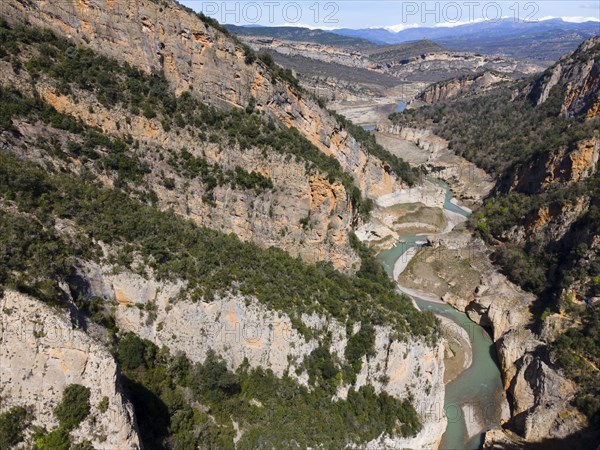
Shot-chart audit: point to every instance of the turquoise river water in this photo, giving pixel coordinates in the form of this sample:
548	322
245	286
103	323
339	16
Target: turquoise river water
480	385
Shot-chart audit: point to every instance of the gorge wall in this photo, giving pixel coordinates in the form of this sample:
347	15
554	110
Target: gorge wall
199	59
41	353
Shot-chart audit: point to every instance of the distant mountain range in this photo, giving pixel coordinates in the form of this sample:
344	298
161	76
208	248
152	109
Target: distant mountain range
544	40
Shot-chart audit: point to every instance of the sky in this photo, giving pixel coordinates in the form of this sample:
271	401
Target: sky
394	15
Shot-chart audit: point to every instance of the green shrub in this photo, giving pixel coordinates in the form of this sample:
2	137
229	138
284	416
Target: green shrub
267	59
250	55
74	406
103	405
58	439
12	425
360	344
131	351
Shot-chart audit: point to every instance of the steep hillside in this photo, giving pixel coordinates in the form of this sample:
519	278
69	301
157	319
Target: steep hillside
540	139
171	223
202	59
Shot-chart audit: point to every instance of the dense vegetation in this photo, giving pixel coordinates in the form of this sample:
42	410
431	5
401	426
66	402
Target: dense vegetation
163	389
497	132
176	248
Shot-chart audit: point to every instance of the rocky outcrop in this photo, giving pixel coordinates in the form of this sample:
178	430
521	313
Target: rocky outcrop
425	139
41	354
553	170
469	183
311	50
460	87
540	396
444	65
559	168
541	407
239	328
202	60
578	75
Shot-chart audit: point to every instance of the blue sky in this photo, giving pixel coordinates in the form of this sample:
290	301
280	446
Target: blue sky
395	15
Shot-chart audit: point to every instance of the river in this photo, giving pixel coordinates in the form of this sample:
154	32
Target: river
473	400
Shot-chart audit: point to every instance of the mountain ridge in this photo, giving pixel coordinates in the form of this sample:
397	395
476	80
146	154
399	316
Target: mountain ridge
541	41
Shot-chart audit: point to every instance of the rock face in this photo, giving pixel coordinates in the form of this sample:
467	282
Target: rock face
41	353
469	183
456	87
199	59
580	82
239	328
540	396
312	50
451	64
557	169
271	218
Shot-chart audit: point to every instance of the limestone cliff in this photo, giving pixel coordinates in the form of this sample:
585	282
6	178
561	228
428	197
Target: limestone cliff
240	328
559	168
272	218
578	75
554	170
470	183
41	353
464	86
202	60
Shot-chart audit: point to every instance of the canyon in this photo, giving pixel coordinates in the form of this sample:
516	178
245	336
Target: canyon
281	206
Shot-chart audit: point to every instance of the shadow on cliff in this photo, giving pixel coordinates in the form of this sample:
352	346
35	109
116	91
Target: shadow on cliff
151	413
